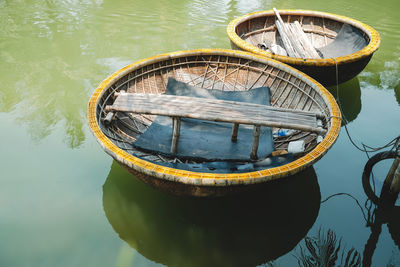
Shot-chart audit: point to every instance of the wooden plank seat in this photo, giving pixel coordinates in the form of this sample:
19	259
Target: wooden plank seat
178	107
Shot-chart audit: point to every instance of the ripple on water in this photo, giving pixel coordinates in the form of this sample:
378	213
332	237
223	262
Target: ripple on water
390	77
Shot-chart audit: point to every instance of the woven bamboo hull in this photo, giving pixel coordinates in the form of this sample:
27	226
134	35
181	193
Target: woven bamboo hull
212	69
249	29
327	74
180	189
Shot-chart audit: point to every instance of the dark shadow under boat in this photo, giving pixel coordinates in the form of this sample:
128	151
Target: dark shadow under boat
245	229
348	96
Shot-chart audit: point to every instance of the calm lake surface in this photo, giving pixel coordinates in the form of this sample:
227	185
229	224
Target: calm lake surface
64	202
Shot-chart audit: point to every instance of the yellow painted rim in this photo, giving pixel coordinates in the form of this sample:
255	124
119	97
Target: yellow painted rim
367	51
213	179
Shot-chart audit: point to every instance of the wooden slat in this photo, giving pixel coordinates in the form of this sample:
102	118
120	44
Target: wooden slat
290	44
286	41
294	39
304	41
256	139
235	130
176	129
217	110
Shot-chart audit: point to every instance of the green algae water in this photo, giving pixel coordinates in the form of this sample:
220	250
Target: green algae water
64	202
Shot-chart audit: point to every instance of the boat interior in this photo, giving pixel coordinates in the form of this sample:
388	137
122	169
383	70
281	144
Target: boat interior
214	73
331	37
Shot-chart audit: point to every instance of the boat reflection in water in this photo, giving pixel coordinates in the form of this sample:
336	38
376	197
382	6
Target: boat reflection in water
349	99
239	230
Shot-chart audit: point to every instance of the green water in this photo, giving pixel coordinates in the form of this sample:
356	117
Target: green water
64	202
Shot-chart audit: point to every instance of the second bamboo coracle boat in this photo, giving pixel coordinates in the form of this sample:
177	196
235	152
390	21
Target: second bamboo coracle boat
344	46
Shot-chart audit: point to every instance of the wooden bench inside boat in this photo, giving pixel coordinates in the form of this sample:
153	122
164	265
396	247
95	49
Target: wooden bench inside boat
178	107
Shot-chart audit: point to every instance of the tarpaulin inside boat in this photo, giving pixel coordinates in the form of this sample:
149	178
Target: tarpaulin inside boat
206	140
349	40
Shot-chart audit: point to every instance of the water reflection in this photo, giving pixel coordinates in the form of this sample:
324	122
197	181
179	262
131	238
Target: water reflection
326	249
391	217
240	230
53	53
349	96
45	78
383	209
387	77
397	93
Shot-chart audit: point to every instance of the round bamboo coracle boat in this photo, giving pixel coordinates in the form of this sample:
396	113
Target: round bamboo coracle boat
344	46
122	130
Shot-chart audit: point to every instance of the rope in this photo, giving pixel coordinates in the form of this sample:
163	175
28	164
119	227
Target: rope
349	195
333	116
395	148
365	148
